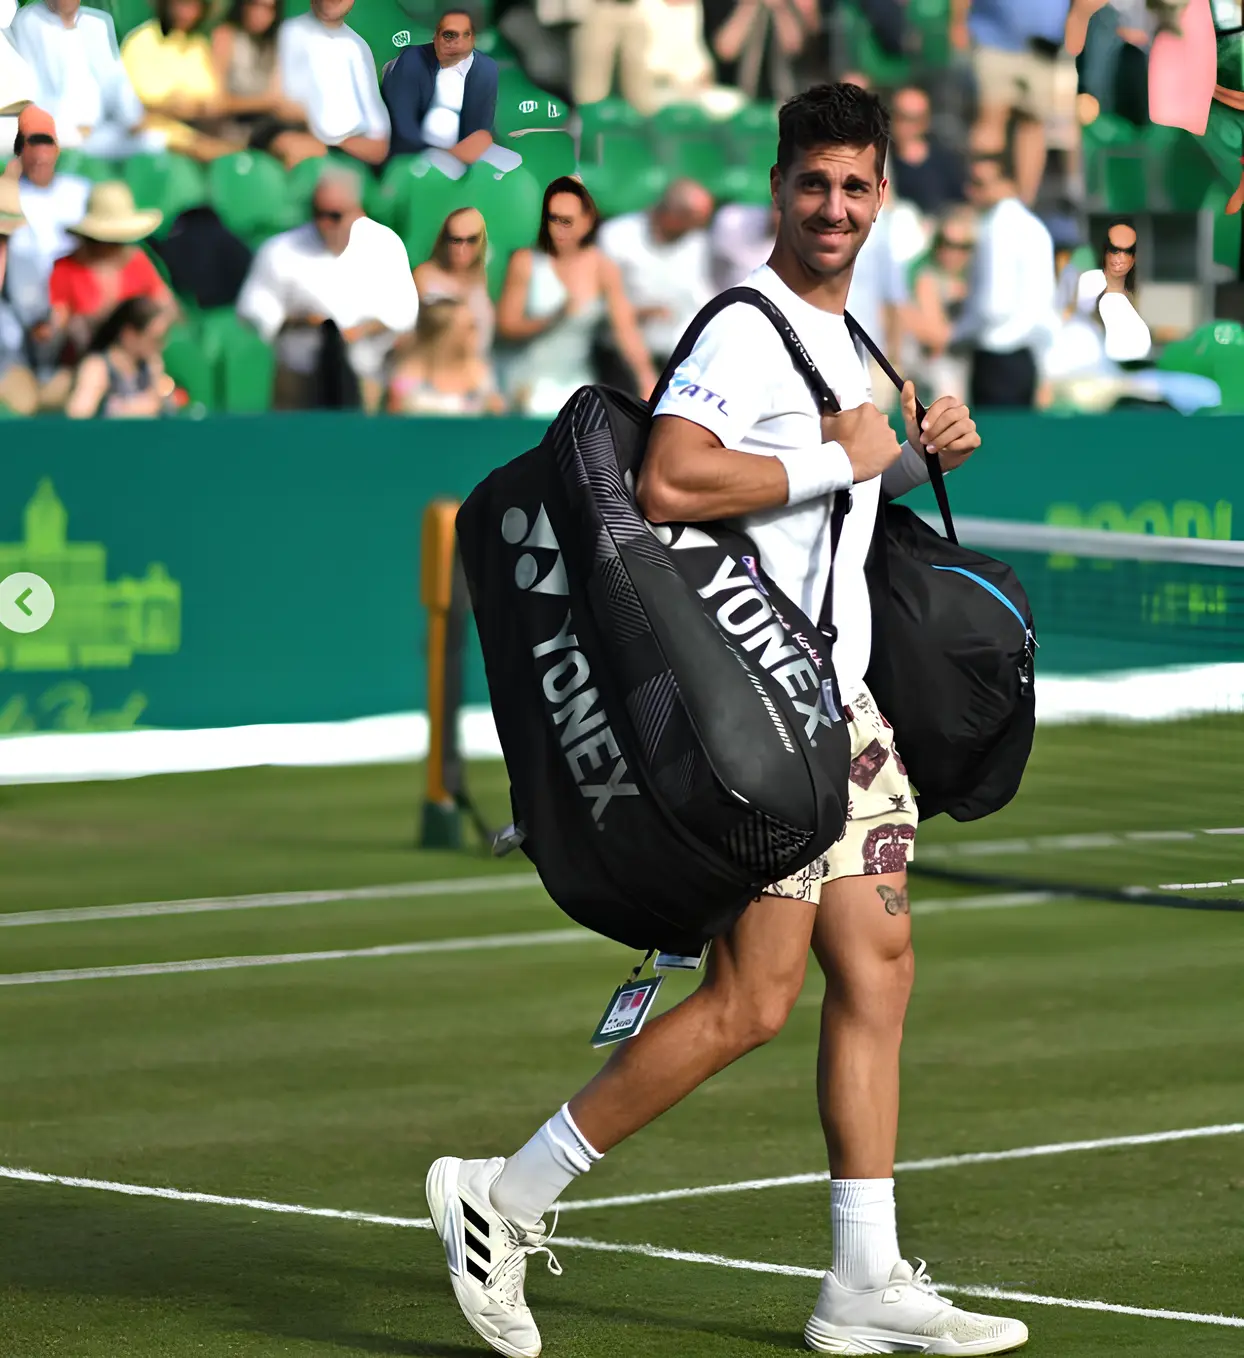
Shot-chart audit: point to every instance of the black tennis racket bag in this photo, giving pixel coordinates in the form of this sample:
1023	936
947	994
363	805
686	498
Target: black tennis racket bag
669	720
952	655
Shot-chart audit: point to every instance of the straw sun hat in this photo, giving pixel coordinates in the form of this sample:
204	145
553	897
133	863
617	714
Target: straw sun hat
111	216
11	216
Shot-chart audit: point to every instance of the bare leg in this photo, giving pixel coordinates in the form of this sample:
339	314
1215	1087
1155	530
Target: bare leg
753	978
862	940
1030	155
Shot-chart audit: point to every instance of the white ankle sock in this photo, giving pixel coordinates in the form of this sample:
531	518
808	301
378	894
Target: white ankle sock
865	1231
534	1178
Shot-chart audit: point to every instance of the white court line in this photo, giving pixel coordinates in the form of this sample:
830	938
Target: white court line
601	1246
1195	886
435	945
909	1166
996	1293
989	848
450	886
471	944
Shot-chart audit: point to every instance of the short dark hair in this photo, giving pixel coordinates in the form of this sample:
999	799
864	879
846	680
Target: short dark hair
135	313
467	14
567	184
268	36
1004	160
165	21
832	115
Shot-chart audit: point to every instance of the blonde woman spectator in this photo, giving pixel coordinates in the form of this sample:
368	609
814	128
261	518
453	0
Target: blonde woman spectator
442	372
939	291
123	376
555	299
456	270
169	62
255	110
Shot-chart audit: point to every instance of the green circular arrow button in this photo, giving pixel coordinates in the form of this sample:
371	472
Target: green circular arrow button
26	602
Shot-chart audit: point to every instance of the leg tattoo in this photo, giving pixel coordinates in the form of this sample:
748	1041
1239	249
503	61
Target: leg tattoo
895	902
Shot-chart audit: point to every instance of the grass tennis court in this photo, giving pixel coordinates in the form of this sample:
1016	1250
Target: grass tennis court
332	1084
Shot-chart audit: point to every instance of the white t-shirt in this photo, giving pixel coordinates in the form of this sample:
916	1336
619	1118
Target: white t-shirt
674	274
331	72
740	384
296	274
443	120
45	238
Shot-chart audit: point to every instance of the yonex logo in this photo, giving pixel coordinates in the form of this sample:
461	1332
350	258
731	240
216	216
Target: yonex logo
514	529
402	38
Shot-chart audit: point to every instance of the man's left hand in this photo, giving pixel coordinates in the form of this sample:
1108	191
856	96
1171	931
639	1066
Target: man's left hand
948	428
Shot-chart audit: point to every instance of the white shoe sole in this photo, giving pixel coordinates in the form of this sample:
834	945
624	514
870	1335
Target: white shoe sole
441	1188
859	1339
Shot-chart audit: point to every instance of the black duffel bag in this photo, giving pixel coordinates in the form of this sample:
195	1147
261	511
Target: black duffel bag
952	655
669	720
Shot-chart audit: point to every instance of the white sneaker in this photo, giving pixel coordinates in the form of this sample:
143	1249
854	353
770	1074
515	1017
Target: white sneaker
487	1254
904	1316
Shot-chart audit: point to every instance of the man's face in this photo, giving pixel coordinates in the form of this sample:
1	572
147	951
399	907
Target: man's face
331	11
910	114
38	157
1120	251
984	183
334	211
828	200
454	40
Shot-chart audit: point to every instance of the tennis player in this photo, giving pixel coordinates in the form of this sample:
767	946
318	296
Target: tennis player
760	452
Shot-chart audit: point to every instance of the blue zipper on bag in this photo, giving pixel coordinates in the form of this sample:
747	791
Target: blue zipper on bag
995	591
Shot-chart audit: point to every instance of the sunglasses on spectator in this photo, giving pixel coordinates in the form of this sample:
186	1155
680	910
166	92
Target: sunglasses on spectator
1113	249
40	139
463	240
452	34
325	214
952	243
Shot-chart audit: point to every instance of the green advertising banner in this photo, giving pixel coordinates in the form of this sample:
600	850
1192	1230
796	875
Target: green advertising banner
235	572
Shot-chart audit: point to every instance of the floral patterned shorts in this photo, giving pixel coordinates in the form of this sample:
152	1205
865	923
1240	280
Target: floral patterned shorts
880	833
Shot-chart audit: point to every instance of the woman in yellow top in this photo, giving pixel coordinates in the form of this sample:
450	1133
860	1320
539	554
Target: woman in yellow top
169	63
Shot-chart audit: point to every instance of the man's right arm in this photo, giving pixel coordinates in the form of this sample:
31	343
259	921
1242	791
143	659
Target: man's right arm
399	90
691	473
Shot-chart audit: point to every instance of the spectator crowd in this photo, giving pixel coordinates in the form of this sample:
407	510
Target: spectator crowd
976	278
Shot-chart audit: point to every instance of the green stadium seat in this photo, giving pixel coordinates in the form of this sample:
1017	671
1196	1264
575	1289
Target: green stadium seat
249	192
386	26
619	188
738	184
189	366
703	161
1216	351
930	20
1117	163
521	107
881	68
72	161
1187	172
1227	229
170	183
301	180
546	155
750	137
606	118
242	363
127	15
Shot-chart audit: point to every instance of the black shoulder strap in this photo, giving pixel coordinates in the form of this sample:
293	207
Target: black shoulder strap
825	398
937	477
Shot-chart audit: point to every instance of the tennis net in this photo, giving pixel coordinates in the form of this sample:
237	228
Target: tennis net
1134	783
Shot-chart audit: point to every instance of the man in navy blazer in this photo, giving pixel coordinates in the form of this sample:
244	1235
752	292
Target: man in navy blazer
442	100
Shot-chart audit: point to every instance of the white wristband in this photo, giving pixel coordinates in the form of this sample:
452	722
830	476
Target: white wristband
814	472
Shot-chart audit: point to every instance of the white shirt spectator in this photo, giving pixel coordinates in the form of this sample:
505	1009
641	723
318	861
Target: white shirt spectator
295	274
331	72
444	115
742	238
1127	336
740	384
8	8
673	274
82	82
1012	298
45	238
